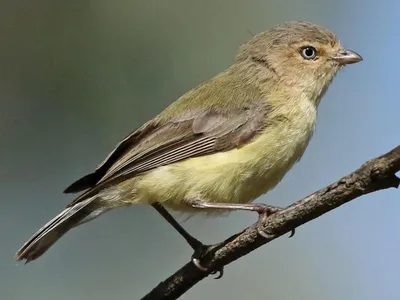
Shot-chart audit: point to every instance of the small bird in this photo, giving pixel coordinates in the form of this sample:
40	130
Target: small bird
219	146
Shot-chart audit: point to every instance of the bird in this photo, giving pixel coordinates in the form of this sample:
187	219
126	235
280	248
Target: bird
219	146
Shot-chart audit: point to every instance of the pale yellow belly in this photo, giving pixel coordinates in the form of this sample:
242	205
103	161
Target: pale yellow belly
236	176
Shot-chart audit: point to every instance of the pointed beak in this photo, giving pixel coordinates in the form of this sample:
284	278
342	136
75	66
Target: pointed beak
345	57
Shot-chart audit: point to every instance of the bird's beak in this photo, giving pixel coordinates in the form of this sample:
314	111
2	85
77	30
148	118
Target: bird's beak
345	57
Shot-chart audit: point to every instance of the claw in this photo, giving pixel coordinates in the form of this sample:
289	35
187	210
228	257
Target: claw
220	271
196	262
264	234
202	251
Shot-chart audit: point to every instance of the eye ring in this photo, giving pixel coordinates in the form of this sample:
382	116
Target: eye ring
308	52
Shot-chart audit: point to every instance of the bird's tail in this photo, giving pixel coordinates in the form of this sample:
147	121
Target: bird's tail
46	236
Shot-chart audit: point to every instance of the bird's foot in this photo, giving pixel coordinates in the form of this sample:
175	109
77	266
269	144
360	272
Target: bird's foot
264	211
202	251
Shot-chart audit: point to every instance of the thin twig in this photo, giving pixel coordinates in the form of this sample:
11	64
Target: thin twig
374	175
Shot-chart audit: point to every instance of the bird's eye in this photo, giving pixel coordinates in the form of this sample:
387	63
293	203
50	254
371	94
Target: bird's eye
308	52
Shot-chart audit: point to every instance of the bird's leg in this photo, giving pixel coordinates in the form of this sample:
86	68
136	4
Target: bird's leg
191	240
263	210
200	250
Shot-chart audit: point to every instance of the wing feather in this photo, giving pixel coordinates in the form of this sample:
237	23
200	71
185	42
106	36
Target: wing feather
155	145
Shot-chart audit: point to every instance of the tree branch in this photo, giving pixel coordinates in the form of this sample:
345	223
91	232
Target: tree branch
374	175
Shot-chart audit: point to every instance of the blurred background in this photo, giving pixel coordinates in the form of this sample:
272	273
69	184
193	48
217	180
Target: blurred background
77	76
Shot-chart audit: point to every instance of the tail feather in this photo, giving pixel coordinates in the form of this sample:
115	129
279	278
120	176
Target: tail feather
46	236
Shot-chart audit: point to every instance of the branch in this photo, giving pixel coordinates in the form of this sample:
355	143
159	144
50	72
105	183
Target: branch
374	175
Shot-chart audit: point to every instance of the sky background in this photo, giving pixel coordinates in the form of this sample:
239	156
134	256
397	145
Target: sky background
77	76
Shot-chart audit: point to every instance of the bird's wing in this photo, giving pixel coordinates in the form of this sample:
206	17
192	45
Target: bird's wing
154	144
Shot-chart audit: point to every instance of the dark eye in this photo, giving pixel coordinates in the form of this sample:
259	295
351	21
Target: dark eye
308	52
